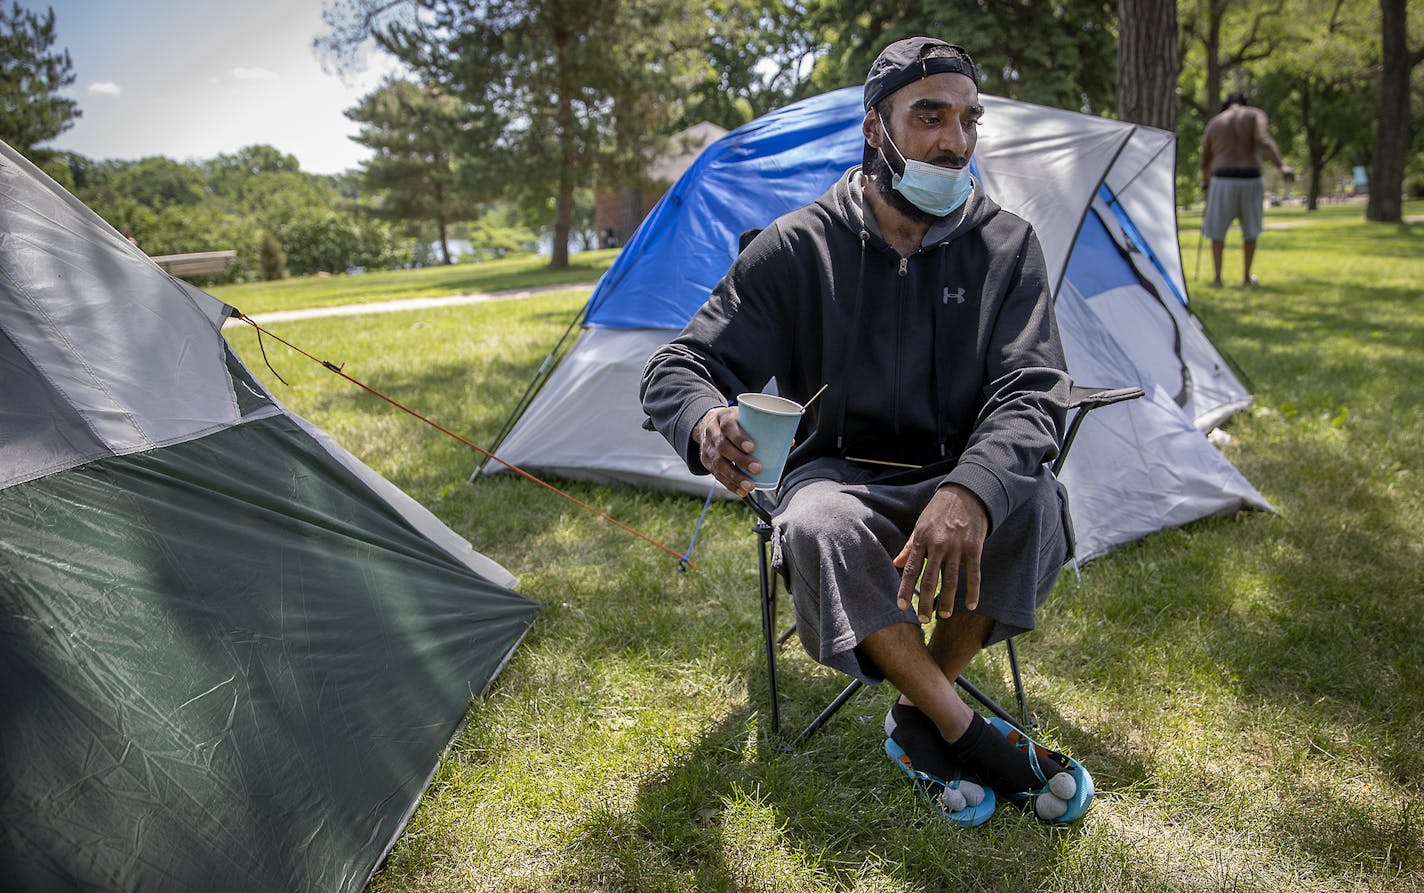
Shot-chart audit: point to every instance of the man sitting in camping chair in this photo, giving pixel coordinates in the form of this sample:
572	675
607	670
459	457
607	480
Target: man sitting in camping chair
918	491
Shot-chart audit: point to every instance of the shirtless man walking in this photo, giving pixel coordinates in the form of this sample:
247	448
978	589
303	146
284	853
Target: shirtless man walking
1232	146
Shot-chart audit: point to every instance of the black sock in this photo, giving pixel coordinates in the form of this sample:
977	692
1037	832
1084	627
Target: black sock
996	761
921	741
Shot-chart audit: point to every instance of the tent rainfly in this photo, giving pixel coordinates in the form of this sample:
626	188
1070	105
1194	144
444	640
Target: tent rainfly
1100	194
230	653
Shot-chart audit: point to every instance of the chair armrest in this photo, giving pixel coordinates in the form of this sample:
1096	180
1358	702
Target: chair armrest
1092	398
1084	400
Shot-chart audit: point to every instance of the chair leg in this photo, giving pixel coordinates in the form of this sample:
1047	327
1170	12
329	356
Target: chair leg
772	641
1028	724
989	703
1023	722
832	708
768	622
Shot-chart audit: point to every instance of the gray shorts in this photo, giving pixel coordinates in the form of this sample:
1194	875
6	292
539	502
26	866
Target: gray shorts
836	532
1232	198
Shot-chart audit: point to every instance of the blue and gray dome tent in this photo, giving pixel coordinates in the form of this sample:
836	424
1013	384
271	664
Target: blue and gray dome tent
230	653
1100	193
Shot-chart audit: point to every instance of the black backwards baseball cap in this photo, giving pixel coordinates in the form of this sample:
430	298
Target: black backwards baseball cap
903	62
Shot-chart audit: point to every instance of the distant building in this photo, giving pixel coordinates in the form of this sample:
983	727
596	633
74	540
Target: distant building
617	214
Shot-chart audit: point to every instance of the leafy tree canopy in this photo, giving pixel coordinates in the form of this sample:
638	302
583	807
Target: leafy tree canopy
237	201
226	171
562	95
1058	54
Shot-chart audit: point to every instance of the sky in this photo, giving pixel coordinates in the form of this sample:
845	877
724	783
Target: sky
190	79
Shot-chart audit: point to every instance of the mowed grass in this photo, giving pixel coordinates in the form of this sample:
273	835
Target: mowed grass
1248	691
428	282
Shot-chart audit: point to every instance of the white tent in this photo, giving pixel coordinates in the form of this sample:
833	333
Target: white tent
230	653
1100	195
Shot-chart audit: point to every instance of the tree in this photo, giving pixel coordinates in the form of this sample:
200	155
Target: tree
1317	82
1058	54
230	202
274	198
1392	137
226	173
159	182
31	76
336	242
556	94
1225	36
1147	62
274	257
1310	69
1222	44
755	57
412	129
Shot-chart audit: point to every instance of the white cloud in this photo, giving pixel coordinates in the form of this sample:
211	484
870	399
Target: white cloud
106	88
254	74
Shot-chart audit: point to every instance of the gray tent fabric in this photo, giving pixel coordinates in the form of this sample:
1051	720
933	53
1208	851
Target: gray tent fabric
230	653
1100	195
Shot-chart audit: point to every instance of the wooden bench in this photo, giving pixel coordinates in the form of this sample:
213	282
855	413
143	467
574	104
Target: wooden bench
197	263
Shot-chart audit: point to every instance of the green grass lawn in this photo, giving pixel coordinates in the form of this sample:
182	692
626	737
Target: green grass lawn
428	282
1248	691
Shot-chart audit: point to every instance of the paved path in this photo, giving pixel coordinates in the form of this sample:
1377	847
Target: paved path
406	304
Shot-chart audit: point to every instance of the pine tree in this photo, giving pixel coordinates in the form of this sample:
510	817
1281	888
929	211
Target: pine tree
412	129
31	76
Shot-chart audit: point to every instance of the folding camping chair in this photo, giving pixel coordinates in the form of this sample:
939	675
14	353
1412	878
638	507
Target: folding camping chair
1081	401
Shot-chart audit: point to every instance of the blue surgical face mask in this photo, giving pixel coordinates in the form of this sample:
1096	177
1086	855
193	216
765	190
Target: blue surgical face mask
933	189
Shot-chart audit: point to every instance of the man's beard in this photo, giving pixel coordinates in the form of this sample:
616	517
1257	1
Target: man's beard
878	173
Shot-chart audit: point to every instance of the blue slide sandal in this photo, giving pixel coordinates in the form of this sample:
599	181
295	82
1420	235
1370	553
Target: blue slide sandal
930	787
1082	797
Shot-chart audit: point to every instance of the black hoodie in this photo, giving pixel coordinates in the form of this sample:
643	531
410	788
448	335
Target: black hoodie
948	359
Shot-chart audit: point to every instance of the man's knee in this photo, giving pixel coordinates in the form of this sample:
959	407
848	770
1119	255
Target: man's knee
1034	541
1042	510
821	519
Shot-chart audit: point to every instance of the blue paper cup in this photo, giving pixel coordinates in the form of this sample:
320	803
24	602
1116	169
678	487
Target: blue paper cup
771	424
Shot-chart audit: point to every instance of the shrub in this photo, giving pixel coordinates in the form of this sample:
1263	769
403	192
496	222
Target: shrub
274	257
339	242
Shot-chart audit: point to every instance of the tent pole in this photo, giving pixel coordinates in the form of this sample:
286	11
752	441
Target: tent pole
540	376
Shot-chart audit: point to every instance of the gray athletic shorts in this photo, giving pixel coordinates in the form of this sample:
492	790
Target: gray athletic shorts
835	534
1231	198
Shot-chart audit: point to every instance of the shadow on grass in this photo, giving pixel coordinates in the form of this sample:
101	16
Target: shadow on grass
1320	637
1347	625
735	811
1391	331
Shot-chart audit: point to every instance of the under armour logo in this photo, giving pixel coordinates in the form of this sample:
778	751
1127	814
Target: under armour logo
958	296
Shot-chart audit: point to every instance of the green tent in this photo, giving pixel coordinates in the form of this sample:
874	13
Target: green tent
230	653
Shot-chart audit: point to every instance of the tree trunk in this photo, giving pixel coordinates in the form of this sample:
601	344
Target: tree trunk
1212	46
564	211
1314	152
1392	133
632	214
564	207
1147	62
441	223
